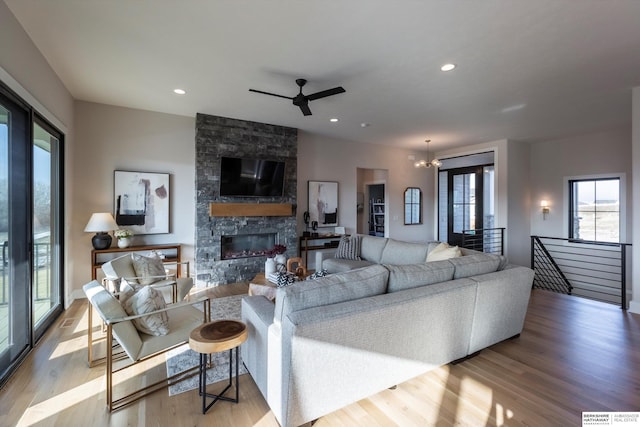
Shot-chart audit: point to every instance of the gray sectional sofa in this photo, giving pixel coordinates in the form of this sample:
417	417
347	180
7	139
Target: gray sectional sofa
330	342
380	250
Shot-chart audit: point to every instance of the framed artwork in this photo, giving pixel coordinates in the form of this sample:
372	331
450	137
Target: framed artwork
141	201
323	203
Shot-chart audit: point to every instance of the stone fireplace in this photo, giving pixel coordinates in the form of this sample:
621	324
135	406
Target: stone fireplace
230	248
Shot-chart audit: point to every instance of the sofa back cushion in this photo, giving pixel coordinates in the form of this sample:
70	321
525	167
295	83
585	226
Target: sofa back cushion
335	288
399	253
415	275
473	265
371	248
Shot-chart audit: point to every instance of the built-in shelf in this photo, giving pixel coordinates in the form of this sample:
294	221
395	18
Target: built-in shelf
250	209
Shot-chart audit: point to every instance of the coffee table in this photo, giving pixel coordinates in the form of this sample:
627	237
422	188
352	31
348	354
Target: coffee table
260	285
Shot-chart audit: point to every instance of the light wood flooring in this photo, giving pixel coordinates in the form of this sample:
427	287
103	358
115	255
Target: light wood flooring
574	355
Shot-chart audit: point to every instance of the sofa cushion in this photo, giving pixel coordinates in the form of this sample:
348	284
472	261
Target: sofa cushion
443	251
371	248
146	300
398	252
148	269
415	275
473	265
349	248
334	265
335	288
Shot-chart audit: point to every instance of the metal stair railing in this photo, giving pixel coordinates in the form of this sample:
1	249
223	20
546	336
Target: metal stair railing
594	270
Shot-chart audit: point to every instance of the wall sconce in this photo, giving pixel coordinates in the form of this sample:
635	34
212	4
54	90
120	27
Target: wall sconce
544	204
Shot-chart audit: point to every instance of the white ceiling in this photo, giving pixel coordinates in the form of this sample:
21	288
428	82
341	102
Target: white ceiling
527	70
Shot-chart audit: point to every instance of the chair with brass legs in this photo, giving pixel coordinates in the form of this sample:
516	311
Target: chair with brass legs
138	347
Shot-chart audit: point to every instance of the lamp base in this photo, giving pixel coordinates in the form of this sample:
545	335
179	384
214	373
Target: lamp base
101	240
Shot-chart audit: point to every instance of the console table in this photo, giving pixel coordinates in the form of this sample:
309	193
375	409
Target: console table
171	254
309	243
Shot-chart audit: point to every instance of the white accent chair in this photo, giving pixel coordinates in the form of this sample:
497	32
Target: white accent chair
173	288
123	340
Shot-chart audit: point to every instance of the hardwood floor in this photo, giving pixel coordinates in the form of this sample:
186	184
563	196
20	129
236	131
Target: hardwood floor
574	355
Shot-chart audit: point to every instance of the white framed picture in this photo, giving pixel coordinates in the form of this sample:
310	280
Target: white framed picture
141	201
323	203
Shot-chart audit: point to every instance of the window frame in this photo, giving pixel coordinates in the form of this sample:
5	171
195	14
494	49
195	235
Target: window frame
411	204
568	206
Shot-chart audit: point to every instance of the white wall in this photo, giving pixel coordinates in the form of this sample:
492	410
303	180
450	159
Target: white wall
325	159
634	305
26	72
592	154
114	138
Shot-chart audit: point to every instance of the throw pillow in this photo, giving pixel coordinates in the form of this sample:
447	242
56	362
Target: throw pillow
318	274
349	248
444	251
146	300
127	290
148	269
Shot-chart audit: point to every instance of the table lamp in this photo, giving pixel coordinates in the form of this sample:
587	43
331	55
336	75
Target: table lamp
101	223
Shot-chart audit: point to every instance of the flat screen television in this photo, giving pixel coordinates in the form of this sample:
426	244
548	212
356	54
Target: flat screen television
251	177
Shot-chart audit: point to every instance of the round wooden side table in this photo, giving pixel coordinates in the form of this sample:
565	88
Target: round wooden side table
214	337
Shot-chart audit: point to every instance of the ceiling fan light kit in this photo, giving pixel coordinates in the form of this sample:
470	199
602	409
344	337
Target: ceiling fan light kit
302	101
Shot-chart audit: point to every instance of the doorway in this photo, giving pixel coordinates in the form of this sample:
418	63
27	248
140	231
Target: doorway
464	211
377	210
466	202
371	188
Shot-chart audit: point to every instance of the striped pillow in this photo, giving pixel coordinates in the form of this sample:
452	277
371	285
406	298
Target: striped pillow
349	248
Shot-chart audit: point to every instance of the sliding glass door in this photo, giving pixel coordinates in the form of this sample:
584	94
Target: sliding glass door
30	229
15	331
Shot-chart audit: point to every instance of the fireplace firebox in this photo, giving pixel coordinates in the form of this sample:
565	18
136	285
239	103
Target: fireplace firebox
247	245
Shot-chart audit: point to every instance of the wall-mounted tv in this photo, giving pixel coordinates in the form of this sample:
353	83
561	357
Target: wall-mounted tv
251	177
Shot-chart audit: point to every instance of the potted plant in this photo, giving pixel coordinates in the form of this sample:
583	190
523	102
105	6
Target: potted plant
124	237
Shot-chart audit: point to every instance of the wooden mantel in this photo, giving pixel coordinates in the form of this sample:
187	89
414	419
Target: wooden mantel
250	209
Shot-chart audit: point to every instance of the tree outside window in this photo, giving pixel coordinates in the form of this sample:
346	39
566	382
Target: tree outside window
595	210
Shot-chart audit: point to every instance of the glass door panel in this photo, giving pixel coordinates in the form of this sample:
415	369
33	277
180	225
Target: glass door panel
15	333
5	292
465	203
46	286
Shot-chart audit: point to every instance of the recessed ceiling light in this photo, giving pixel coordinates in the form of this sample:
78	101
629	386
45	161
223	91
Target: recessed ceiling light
179	91
448	67
333	120
365	125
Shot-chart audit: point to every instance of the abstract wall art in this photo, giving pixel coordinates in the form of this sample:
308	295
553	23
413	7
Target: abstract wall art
141	201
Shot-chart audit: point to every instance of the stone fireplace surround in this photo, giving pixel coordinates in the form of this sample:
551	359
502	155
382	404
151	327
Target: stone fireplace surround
217	137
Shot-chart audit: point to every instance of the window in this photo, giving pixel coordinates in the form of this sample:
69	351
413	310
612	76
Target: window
594	209
412	206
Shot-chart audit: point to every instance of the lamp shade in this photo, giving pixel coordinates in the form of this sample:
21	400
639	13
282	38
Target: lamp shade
101	222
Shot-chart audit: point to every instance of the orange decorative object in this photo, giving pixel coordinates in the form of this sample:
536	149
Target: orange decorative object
295	265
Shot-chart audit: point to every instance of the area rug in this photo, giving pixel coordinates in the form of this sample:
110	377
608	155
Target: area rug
183	357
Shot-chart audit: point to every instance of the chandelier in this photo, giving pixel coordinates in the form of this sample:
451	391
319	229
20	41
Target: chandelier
426	163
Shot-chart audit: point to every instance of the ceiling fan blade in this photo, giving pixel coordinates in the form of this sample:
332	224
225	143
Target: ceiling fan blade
325	93
269	93
305	109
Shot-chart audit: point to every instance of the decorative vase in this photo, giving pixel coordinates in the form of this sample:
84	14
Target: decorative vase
124	242
269	267
281	259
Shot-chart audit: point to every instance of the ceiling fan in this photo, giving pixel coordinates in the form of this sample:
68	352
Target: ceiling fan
301	100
